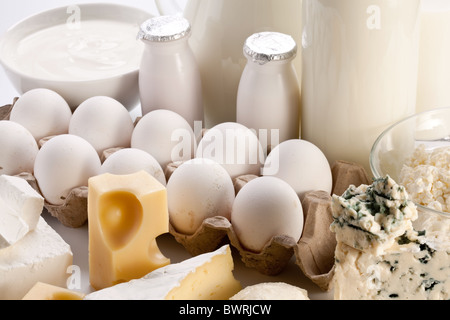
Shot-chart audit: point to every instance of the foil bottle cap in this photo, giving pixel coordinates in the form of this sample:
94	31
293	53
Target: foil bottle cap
165	29
265	47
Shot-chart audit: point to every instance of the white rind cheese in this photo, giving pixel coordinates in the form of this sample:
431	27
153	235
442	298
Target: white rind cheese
20	209
370	218
271	291
41	256
391	261
205	277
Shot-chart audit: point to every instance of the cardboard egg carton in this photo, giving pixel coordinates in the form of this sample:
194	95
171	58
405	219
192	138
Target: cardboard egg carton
313	253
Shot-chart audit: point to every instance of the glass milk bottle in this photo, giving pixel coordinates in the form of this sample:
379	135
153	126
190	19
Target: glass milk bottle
360	66
219	29
269	95
169	76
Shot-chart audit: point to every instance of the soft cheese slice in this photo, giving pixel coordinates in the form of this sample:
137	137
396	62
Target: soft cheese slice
370	218
271	291
44	291
41	256
126	214
20	209
411	271
205	277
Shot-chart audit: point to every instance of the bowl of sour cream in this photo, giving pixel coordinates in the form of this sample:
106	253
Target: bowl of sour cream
79	51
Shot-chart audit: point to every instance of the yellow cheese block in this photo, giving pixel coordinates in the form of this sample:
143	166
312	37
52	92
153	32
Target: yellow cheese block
126	214
204	277
212	280
43	291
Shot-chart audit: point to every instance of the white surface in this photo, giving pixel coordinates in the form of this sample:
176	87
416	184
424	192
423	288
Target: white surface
13	11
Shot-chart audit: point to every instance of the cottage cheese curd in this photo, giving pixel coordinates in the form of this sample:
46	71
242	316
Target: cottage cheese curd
426	177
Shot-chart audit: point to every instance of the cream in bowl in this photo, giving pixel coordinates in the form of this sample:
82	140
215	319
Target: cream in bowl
78	51
416	153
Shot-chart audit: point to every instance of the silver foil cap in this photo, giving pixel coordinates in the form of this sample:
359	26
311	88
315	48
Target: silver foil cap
165	29
265	47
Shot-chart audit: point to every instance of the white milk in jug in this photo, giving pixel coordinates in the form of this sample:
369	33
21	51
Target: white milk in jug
433	90
360	65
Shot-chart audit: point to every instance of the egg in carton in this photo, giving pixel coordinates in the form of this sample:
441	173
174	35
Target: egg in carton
216	231
73	212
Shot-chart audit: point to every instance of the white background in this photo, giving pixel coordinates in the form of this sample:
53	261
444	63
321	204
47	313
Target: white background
14	11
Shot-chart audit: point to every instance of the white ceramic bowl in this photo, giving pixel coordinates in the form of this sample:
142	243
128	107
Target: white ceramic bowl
122	86
395	145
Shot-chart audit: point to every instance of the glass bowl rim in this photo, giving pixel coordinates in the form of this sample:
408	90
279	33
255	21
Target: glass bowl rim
377	174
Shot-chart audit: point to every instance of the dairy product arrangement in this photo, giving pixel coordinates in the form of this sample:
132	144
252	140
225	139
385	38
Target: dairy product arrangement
178	200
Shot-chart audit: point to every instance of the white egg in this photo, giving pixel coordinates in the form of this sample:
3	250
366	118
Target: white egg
103	122
18	149
302	165
235	147
42	112
165	135
129	161
197	190
264	208
65	162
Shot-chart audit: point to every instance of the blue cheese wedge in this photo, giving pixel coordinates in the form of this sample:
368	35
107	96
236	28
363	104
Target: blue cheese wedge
407	271
370	218
380	255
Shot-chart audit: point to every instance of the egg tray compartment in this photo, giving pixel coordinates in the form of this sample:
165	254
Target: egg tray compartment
313	253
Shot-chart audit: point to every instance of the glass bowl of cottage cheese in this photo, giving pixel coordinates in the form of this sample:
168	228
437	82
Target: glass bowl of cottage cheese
416	153
79	51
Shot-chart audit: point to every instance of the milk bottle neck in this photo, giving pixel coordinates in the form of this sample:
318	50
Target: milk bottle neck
270	67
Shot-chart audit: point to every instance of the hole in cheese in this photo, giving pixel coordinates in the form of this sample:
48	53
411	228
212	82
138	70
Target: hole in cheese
120	218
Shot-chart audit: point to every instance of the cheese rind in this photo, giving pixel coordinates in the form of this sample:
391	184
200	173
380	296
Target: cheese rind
44	291
20	209
126	214
41	256
205	277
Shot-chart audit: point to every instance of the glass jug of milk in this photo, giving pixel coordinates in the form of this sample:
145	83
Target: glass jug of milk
434	59
360	66
219	31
